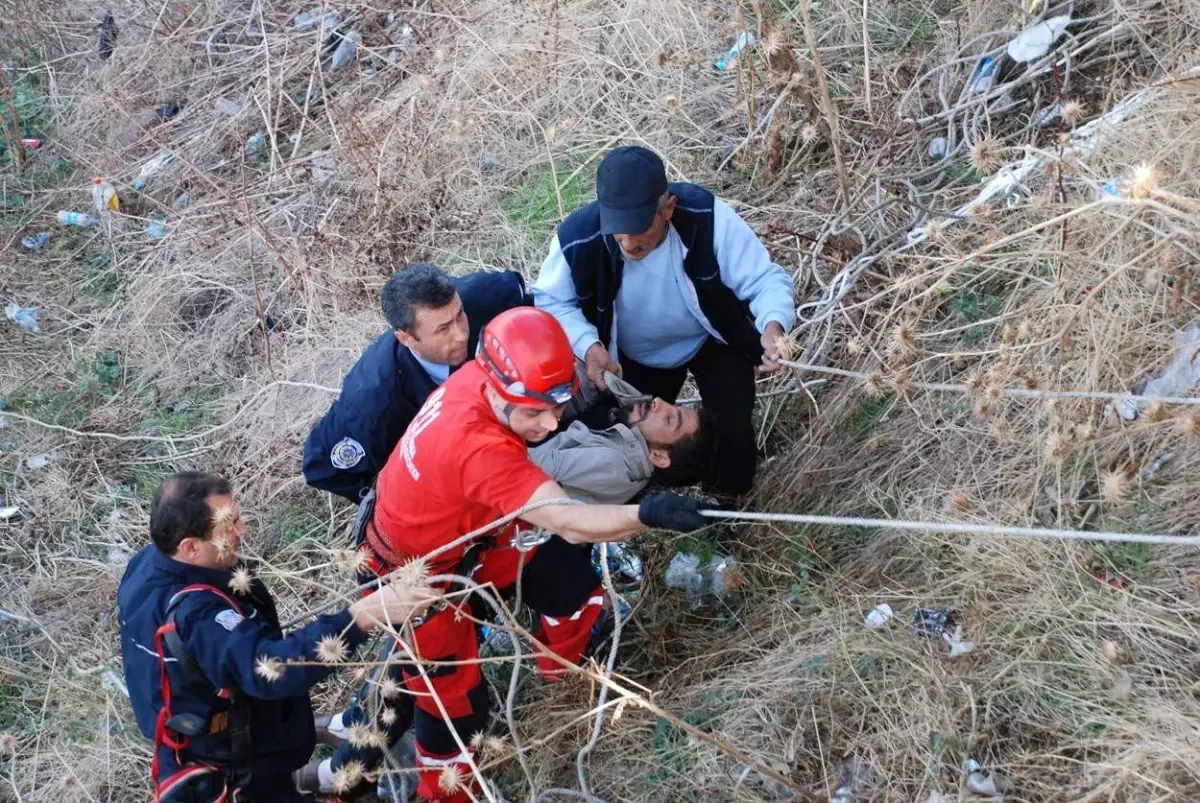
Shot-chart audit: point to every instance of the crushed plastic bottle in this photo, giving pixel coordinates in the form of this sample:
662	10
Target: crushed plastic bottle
1177	379
984	76
156	227
938	146
227	107
104	197
346	49
309	19
256	143
744	42
622	562
67	218
24	317
717	579
34	242
155	163
1035	41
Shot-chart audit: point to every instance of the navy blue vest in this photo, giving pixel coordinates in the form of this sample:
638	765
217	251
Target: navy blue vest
596	264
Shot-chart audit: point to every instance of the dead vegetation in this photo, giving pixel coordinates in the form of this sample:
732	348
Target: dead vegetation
460	133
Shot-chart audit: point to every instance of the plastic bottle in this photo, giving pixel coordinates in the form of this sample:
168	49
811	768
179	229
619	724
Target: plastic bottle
104	196
344	54
745	40
152	166
66	218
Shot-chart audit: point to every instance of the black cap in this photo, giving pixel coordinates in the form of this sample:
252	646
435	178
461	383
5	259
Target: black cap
629	182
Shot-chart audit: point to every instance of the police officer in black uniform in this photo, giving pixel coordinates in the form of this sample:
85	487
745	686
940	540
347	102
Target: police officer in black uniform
210	674
435	324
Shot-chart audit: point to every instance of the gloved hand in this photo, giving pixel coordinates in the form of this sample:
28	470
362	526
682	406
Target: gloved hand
666	511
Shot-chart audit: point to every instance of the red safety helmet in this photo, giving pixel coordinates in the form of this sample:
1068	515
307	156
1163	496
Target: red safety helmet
528	358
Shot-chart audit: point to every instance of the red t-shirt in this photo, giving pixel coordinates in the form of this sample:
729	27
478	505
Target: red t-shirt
456	469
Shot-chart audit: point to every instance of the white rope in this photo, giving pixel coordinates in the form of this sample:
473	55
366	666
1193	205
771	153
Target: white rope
961	527
1028	393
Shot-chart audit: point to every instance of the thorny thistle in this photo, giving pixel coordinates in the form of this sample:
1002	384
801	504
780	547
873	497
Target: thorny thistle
1058	448
412	574
347	776
388	688
876	385
809	133
1142	183
901	382
986	155
8	745
960	503
268	668
1073	112
450	779
331	650
1115	486
1156	411
387	716
855	346
363	736
352	562
224	544
1188	424
903	343
239	582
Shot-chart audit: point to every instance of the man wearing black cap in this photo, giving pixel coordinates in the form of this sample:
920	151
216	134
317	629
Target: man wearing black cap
654	280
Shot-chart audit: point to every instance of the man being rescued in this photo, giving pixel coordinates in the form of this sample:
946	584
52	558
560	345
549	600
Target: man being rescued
462	464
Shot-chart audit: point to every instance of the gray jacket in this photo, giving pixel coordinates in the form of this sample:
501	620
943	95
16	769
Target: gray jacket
603	467
626	394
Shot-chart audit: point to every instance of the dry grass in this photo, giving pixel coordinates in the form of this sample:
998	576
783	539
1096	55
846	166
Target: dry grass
463	143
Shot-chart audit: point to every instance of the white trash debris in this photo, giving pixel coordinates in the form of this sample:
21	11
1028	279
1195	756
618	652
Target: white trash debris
110	682
1176	379
344	54
227	107
879	616
958	646
852	774
938	146
980	783
718	578
1035	41
24	317
10	512
38	462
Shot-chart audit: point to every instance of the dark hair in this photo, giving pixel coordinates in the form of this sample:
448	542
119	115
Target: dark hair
180	508
418	284
692	457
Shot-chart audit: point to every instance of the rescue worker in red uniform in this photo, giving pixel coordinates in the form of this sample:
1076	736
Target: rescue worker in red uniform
462	464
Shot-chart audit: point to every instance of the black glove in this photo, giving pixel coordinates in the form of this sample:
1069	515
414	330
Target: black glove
664	511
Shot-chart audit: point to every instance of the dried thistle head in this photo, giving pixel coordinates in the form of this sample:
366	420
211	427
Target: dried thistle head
903	342
450	779
1058	448
239	581
332	650
389	689
1156	411
1001	430
353	562
1142	182
1115	486
809	133
495	748
363	736
1114	653
224	545
986	155
387	716
8	745
412	574
1024	329
876	385
984	211
1073	112
1187	424
977	383
1009	333
902	382
348	776
959	503
268	668
1084	432
476	742
223	516
855	347
787	347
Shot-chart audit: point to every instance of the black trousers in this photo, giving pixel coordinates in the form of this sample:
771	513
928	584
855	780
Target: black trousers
725	379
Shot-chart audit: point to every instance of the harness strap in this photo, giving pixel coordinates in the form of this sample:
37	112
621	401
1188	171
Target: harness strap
167	641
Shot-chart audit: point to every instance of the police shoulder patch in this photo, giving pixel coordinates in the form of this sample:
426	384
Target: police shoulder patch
229	618
347	453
